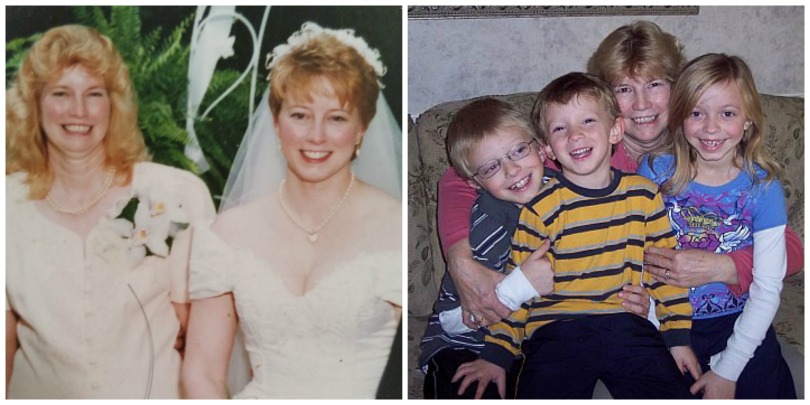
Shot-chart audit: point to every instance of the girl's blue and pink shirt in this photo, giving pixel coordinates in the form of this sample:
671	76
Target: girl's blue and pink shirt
718	219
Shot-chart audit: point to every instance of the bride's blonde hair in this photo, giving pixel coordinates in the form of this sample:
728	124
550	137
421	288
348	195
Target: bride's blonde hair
337	55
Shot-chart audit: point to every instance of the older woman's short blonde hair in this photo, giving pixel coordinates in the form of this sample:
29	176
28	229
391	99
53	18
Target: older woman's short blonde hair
57	50
639	49
325	56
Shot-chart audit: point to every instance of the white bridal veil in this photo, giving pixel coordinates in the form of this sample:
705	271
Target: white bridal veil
259	165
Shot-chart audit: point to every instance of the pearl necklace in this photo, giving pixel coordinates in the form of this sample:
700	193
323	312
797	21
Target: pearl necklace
58	207
312	234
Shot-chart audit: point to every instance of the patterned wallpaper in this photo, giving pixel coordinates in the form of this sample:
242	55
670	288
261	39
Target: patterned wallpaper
452	59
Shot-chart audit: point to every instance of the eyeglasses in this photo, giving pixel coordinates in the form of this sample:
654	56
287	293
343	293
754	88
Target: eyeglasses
492	167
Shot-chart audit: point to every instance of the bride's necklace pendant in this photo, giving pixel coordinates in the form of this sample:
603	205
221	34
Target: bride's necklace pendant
312	234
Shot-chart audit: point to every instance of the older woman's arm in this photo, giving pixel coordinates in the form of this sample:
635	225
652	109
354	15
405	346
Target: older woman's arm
693	267
476	286
211	331
455	202
689	267
744	262
475	283
11	344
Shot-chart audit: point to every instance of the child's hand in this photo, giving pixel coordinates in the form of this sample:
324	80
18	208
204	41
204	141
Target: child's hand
686	360
714	387
537	270
484	372
636	299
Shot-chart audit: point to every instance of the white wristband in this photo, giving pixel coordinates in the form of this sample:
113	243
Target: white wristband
515	289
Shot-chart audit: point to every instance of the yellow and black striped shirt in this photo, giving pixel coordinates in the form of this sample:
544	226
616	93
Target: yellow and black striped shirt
598	239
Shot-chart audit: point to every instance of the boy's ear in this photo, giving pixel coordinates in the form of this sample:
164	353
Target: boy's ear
473	183
617	131
541	152
549	152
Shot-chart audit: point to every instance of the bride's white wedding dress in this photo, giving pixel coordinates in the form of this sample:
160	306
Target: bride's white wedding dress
331	342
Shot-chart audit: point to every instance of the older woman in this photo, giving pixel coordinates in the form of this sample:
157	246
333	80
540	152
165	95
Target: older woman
309	258
96	300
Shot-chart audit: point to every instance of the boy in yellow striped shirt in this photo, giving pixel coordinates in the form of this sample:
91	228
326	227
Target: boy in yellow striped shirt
599	221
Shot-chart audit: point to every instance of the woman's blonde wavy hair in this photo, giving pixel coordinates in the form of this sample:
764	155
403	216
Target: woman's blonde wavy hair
58	49
698	75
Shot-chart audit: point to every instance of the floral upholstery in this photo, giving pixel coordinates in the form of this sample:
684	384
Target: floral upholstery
784	128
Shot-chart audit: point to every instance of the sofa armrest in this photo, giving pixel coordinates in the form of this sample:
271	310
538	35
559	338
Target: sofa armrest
423	285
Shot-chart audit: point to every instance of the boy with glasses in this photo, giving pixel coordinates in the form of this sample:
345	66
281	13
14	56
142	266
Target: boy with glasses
494	147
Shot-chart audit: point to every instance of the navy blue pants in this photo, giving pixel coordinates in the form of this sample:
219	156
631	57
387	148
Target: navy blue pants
441	369
766	376
565	359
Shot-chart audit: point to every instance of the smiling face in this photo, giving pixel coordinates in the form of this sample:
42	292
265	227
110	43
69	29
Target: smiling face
645	106
317	134
580	134
75	113
517	181
716	124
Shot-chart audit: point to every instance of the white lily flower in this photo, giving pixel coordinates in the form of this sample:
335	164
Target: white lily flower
122	227
157	245
142	213
158	217
176	216
157	208
149	231
118	207
136	254
108	242
167	209
151	238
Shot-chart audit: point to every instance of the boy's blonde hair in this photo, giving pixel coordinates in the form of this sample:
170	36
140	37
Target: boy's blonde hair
639	49
59	49
566	88
477	121
700	74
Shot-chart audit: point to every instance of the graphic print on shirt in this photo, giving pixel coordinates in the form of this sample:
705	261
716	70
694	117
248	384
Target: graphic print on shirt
719	223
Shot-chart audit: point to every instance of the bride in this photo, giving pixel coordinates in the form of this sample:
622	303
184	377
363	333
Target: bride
306	256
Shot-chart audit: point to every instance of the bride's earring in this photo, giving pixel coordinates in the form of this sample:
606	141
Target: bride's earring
747	125
356	152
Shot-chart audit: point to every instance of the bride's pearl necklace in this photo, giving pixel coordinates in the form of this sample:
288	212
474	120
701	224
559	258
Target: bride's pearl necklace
58	207
312	234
